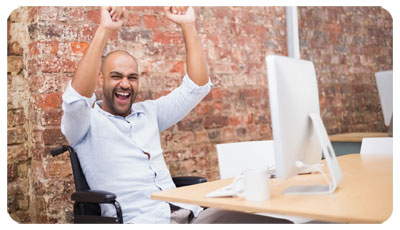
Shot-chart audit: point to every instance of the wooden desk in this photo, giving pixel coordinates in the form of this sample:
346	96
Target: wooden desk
354	137
364	196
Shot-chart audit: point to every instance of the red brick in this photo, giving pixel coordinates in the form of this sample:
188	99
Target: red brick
15	49
48	82
167	37
150	21
334	28
243	120
250	93
215	122
50	100
33	49
223	68
58	65
52	116
134	35
16	136
9	35
87	32
14	64
221	12
76	13
148	66
201	137
182	139
178	67
202	108
241	132
46	13
17	153
133	19
215	107
57	169
93	16
79	47
53	137
214	39
12	172
202	150
190	124
43	47
15	117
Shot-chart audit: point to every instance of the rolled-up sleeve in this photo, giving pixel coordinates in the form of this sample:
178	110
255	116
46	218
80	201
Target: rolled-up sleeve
176	105
75	121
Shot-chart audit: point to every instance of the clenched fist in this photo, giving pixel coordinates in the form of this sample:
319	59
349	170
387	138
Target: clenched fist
181	15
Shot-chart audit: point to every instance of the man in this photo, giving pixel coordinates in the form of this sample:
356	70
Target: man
117	141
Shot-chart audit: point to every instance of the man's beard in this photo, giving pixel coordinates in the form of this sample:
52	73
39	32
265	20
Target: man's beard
111	104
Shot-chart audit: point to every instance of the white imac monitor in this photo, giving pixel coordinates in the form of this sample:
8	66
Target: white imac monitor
299	135
384	82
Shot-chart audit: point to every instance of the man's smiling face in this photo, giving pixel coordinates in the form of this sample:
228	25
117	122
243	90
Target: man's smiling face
120	83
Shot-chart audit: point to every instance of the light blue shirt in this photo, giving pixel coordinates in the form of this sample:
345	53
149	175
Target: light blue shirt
111	148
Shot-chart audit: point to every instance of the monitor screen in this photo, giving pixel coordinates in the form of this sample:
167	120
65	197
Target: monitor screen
293	95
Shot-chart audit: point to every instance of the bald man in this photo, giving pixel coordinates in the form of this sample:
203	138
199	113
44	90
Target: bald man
117	140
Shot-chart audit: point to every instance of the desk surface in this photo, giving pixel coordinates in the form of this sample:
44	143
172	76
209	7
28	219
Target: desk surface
354	137
364	196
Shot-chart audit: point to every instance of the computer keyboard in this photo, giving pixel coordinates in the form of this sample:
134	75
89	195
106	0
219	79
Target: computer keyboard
228	190
222	192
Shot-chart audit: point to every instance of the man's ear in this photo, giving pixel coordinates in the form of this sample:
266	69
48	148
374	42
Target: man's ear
100	80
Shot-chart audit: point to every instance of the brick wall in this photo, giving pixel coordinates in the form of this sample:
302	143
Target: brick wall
45	44
347	46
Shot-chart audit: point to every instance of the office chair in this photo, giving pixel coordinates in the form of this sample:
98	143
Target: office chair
86	201
377	145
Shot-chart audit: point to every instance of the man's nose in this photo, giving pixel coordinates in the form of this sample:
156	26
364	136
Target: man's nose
124	83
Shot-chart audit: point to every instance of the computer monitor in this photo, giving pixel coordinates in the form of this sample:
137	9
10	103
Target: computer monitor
299	135
384	83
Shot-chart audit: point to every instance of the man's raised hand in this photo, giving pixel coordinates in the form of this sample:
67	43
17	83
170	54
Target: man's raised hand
112	17
181	15
87	72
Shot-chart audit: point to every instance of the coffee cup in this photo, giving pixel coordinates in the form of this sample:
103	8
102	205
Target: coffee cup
253	185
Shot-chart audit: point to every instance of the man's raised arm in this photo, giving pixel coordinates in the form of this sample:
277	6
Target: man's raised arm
196	65
85	77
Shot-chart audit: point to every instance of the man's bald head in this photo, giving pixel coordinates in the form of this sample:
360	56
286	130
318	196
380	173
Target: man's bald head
112	54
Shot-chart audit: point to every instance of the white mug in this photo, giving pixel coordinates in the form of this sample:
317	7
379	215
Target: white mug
252	185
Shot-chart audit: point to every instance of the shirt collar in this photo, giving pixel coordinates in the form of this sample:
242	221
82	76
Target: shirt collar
134	109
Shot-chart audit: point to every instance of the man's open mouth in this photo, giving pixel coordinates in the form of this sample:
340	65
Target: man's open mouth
123	97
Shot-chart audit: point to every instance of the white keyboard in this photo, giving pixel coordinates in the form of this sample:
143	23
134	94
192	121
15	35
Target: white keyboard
222	192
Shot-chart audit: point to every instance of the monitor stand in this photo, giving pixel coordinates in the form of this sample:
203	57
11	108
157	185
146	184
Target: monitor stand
390	130
330	158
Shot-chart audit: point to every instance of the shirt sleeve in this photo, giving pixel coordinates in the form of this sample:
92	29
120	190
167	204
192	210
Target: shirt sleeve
176	105
75	121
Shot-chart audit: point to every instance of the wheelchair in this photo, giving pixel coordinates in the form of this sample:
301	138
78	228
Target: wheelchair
86	201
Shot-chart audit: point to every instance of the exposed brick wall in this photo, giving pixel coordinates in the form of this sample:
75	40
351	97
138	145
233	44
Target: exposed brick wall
347	46
45	45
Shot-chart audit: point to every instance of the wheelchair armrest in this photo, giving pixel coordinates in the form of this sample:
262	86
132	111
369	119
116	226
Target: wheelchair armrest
181	181
93	196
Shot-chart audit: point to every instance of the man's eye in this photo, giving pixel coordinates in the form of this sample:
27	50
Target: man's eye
115	77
